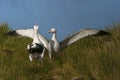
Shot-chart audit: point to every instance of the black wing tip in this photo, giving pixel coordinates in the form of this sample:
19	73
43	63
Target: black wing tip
102	33
12	33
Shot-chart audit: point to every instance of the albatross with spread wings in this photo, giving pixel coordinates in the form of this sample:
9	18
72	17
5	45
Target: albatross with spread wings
37	48
53	46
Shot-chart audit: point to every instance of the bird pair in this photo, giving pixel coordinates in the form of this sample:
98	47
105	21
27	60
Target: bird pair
40	43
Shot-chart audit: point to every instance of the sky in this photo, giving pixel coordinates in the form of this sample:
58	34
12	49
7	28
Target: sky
67	16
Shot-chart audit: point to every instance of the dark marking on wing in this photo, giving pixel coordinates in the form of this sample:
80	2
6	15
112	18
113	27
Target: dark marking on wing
12	33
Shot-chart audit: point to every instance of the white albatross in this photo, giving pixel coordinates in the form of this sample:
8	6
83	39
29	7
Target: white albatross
53	46
36	49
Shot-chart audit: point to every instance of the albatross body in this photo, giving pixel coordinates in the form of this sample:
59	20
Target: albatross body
36	48
54	46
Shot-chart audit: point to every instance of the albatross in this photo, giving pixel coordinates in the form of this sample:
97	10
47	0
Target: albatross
36	48
53	45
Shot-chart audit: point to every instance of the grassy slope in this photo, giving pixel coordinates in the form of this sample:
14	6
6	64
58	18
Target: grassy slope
90	59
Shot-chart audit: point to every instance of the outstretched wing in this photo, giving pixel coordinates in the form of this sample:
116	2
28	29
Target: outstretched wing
81	34
28	33
43	40
21	33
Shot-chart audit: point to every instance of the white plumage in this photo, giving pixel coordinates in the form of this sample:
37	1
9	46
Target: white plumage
53	46
36	49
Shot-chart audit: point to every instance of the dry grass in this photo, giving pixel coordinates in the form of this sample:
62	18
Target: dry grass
92	58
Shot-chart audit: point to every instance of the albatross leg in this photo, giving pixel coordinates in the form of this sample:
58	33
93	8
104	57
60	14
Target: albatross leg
50	56
30	57
42	55
40	59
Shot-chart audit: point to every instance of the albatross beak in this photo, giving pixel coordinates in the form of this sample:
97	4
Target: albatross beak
49	31
52	30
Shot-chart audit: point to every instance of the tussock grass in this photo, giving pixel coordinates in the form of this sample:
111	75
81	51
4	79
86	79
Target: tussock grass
91	58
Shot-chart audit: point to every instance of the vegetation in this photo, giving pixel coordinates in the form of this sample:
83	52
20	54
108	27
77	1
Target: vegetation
91	58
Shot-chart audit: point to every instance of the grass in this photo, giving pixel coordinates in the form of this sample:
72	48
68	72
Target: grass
91	58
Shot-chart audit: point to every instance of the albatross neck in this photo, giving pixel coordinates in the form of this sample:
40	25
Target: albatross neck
54	36
36	39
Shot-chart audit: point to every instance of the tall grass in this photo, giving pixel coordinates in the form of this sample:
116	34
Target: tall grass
91	58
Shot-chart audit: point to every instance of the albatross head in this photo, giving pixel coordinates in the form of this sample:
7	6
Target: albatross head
36	26
52	30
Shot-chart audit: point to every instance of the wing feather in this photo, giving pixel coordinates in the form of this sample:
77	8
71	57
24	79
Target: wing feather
28	33
43	40
81	34
21	33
